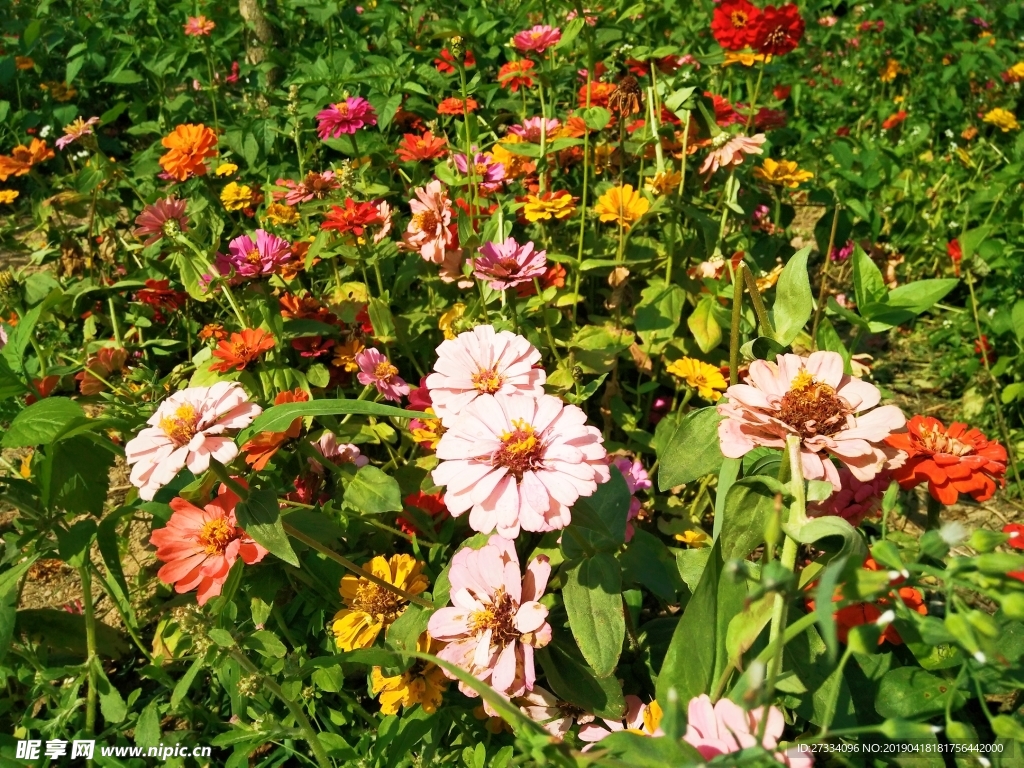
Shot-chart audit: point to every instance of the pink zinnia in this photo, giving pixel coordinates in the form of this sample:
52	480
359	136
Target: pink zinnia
254	258
726	727
728	152
377	370
198	26
199	546
76	130
538	39
316	186
519	462
346	116
508	264
855	500
495	621
187	431
530	130
482	362
428	231
637	479
336	453
640	718
813	398
162	218
487	173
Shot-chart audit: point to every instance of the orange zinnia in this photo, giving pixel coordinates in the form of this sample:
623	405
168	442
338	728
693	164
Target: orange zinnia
241	349
599	94
415	149
453	106
262	448
22	158
516	74
189	147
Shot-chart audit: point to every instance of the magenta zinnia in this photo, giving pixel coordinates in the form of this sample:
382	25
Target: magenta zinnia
164	218
508	264
254	258
346	116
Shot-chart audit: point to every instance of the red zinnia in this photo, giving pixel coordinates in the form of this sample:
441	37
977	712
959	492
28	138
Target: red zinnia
953	461
1016	533
417	149
956	253
782	92
893	120
425	503
446	64
453	106
516	74
241	349
159	295
733	24
777	31
354	217
312	346
44	387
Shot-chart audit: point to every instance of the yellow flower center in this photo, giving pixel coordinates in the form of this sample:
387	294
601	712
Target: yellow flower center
181	427
940	442
215	535
520	449
253	256
384	370
425	221
738	19
488	381
342	108
812	407
499	618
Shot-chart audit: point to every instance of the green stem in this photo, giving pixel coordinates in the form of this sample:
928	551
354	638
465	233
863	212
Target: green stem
547	325
211	269
510	296
113	322
755	298
90	644
934	513
734	330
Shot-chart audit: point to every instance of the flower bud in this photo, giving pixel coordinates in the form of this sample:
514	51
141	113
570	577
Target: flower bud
986	541
1013	605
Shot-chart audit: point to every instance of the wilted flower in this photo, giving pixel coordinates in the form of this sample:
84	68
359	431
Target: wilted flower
625	99
107	362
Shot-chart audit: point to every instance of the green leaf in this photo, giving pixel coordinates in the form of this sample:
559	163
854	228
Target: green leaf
749	506
181	688
687	448
1017	320
74	475
702	324
823	610
913	693
22	334
970	240
596	118
383	322
593	601
793	300
405	632
831	530
572	680
657	316
697	655
278	418
63	631
373	492
112	706
867	279
73	544
124	77
596	347
648	562
920	295
41	422
640	751
10	384
260	517
9	594
604	513
147	727
265	643
744	628
829	340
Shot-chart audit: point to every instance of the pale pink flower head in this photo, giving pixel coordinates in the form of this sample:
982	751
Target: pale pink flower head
162	218
376	369
833	414
855	500
637	479
76	130
555	715
729	151
384	212
346	116
486	172
530	130
640	718
726	727
336	453
495	620
254	258
519	463
828	21
428	230
482	362
316	186
537	39
589	16
198	26
199	546
508	264
187	430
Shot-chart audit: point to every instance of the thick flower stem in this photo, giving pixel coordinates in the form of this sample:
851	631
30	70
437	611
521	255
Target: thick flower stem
346	563
755	298
296	711
90	645
934	508
734	329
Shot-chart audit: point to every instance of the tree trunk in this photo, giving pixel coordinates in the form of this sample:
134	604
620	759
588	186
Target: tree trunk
261	34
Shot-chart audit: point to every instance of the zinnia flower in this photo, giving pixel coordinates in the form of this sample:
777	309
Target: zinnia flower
198	26
637	479
316	186
428	231
782	173
254	258
640	718
225	169
377	370
370	607
597	95
506	265
424	683
664	182
537	39
236	196
8	196
557	205
732	24
516	74
199	546
531	128
429	504
726	727
159	295
262	448
282	215
345	355
187	431
76	130
728	151
346	116
107	362
703	377
354	217
418	149
454	107
162	218
625	99
952	461
189	145
446	63
22	158
833	414
482	362
336	453
893	120
623	205
241	349
495	621
777	31
487	173
1003	119
518	463
855	500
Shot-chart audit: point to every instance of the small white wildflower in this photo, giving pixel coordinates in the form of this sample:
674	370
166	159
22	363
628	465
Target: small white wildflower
45	131
886	618
949	133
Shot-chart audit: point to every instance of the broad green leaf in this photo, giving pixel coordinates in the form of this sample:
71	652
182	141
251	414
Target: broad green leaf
829	340
279	417
112	705
405	632
640	751
920	295
9	594
593	601
648	562
41	422
827	697
833	531
745	627
373	492
181	688
124	77
688	447
266	643
604	513
65	632
383	322
571	679
793	300
823	604
657	316
147	727
909	692
73	544
10	384
595	347
74	474
1017	320
749	506
702	324
970	240
867	279
260	517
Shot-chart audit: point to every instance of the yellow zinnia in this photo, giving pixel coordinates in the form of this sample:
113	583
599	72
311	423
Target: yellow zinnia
551	205
226	169
236	196
782	173
281	214
623	205
703	377
693	538
422	684
1016	73
1003	119
447	322
429	431
890	71
372	608
664	182
8	196
515	165
345	355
